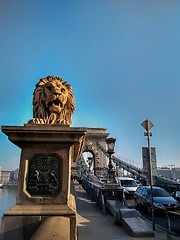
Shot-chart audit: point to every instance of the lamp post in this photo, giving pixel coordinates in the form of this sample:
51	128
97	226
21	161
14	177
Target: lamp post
90	163
117	168
147	125
94	163
110	150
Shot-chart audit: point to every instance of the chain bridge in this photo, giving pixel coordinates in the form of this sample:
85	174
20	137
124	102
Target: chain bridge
95	146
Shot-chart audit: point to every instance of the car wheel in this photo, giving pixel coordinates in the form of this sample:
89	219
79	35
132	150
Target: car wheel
149	208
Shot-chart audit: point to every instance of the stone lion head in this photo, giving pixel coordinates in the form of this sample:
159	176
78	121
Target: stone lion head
53	101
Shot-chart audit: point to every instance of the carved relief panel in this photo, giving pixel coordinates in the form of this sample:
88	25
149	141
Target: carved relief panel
43	175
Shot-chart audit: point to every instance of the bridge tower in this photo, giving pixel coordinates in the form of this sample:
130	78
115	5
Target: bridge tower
94	137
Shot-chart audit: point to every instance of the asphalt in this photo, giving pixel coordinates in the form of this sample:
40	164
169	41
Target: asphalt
93	225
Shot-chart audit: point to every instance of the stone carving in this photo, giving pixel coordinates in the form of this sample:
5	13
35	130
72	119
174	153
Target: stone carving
43	175
53	102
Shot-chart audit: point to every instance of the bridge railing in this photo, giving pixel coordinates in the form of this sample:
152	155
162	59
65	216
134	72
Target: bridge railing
126	166
100	193
136	171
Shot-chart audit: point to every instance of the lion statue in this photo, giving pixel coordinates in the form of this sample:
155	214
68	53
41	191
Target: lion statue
53	102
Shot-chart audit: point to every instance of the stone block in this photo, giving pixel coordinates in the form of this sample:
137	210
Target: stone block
129	213
56	228
137	227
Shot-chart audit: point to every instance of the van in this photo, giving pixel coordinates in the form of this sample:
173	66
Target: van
129	185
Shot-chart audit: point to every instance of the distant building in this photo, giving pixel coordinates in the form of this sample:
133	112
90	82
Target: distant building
176	172
9	176
11	179
5	176
16	174
164	171
173	173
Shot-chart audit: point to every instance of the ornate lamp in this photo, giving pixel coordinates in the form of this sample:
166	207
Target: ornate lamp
110	150
90	163
110	144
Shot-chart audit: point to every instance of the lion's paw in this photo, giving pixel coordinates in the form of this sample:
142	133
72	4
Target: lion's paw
36	121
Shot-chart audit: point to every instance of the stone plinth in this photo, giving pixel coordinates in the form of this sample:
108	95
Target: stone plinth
44	172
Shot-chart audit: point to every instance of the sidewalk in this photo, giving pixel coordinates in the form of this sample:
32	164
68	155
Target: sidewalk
93	225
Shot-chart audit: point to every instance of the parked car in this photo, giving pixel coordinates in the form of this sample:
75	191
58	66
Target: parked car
177	195
161	199
138	183
129	185
103	180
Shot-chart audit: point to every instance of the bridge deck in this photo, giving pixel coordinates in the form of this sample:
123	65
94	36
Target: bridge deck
92	224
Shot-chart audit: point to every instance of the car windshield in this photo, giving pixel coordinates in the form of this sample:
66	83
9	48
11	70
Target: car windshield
178	194
128	183
103	180
158	192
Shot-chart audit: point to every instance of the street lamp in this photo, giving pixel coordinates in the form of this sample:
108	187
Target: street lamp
110	150
90	163
147	125
117	169
171	166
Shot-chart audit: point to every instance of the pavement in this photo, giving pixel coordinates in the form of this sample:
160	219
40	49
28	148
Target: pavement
93	225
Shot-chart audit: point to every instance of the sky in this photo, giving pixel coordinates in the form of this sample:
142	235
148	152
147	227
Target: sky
122	58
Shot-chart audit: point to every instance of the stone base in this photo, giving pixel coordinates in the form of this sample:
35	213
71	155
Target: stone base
52	228
44	180
22	221
19	227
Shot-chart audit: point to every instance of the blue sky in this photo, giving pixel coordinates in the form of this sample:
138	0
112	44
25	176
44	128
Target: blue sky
121	57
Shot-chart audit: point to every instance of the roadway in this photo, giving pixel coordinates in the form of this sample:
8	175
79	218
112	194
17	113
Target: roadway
161	220
92	224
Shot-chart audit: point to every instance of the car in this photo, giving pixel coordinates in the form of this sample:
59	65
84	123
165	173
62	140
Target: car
177	195
103	180
129	185
138	183
161	199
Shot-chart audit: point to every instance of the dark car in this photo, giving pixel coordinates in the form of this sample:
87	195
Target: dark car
161	199
177	195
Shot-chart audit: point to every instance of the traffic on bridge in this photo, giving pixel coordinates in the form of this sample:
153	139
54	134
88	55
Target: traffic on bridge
123	190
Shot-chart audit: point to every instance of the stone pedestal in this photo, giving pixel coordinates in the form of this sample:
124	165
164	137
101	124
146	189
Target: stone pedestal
44	175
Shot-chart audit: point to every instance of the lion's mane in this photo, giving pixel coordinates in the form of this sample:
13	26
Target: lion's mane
53	101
